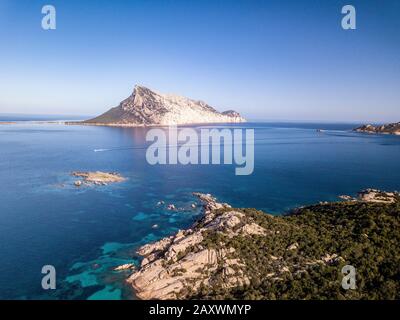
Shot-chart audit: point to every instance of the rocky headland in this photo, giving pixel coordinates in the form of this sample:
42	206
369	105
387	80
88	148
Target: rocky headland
392	128
374	195
247	254
145	107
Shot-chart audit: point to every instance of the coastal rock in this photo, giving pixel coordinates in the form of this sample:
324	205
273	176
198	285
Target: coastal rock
181	244
156	246
173	263
391	128
171	207
232	252
374	195
150	258
127	266
346	198
146	107
97	178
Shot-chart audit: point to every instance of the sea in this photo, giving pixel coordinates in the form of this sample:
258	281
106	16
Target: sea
85	232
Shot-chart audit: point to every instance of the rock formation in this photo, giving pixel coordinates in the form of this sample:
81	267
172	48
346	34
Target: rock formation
182	262
148	108
247	254
373	196
97	178
392	128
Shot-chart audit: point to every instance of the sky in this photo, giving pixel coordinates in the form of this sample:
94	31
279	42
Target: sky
268	60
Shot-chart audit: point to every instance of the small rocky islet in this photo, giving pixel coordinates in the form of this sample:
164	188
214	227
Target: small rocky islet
233	253
96	178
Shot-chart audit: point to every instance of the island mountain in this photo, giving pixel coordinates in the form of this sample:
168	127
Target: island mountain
145	107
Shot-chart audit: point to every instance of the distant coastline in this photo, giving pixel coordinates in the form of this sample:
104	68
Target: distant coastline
17	117
391	128
383	129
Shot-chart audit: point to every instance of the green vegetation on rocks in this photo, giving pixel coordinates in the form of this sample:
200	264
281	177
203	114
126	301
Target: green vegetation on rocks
235	253
302	254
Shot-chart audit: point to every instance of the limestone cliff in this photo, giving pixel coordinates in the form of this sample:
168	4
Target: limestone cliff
146	108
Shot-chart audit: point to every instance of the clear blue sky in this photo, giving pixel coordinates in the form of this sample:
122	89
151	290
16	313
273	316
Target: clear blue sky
265	59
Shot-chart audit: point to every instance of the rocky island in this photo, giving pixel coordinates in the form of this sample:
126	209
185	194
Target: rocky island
96	178
145	107
392	128
235	253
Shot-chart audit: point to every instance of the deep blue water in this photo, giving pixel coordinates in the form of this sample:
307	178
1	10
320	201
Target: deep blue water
85	232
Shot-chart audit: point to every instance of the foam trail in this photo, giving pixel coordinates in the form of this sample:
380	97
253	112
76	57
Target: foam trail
119	148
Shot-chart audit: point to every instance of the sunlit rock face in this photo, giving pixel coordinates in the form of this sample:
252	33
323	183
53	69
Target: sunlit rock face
391	128
146	107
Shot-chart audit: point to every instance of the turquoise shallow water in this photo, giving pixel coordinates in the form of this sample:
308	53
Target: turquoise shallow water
86	232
